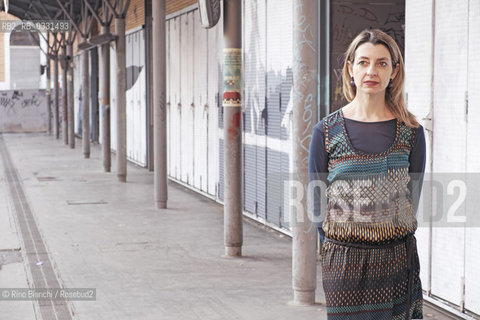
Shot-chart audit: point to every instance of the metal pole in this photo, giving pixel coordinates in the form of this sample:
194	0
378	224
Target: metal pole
55	102
49	96
305	70
105	75
232	119
64	96
86	105
71	112
160	113
121	101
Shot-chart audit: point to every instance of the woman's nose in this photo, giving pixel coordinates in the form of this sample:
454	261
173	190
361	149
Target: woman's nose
372	71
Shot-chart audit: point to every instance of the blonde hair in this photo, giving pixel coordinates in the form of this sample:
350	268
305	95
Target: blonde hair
394	96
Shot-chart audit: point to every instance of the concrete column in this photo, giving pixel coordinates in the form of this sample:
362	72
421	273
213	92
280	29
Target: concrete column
232	119
121	101
56	119
64	96
305	70
85	104
71	109
49	96
105	96
159	103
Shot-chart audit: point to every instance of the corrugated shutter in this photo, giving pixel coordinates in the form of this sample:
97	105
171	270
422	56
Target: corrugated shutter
418	85
168	97
113	100
200	110
186	74
221	156
472	249
449	96
279	54
141	98
254	104
175	91
135	97
194	77
129	96
77	86
214	80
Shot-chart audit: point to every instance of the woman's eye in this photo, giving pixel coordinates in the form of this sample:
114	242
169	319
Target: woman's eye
362	63
383	64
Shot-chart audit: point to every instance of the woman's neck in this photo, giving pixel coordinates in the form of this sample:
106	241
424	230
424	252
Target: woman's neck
368	108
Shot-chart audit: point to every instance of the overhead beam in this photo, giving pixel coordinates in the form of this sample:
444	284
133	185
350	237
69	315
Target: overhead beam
94	12
96	41
67	14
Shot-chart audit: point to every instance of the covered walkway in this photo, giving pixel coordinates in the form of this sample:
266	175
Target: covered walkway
144	263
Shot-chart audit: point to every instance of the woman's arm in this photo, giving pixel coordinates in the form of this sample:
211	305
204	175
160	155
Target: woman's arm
417	167
318	170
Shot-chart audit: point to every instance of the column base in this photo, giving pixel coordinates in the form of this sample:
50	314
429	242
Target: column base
303	298
122	178
233	251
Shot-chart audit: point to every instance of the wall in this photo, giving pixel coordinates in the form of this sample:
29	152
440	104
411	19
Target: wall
175	5
23	111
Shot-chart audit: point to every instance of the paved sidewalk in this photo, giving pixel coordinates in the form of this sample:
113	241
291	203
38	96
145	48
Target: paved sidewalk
145	263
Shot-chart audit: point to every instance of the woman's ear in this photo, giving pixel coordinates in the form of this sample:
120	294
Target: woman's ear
395	71
350	68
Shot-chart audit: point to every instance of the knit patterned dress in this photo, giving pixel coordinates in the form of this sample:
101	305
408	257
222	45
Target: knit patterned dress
370	265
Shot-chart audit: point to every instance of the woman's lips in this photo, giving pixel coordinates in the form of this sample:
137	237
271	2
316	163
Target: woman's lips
371	83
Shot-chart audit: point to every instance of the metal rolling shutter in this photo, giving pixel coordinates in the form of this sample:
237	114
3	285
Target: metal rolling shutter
113	100
186	74
418	86
220	185
214	80
250	100
77	84
168	97
449	94
175	107
254	104
472	250
141	99
200	112
129	96
279	37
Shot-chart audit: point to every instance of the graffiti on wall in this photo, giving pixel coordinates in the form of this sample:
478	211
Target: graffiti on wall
23	110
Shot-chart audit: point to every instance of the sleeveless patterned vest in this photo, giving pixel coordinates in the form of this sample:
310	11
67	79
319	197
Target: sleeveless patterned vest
368	197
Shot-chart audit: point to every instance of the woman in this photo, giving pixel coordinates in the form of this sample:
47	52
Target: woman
367	151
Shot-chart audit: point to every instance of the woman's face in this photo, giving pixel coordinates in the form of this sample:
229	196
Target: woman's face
372	68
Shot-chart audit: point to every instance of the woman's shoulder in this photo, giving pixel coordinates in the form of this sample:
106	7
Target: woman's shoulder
329	119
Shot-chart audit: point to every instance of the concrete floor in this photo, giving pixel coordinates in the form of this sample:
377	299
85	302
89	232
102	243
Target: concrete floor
145	263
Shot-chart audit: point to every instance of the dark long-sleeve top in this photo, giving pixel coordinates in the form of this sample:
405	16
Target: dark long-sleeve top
370	137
